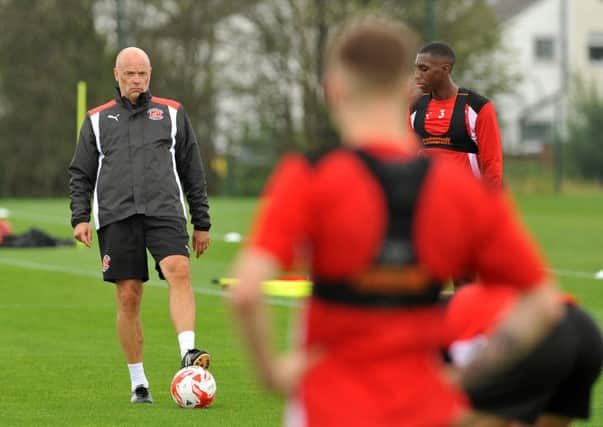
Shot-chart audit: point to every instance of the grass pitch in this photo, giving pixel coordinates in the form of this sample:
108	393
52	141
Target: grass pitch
61	362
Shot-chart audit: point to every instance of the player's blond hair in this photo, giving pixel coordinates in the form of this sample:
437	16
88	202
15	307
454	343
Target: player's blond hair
376	51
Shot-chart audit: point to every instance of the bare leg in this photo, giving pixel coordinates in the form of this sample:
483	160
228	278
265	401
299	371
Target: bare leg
459	282
176	269
129	325
481	419
553	421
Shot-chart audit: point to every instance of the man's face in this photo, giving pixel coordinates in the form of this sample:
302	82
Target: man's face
430	71
133	75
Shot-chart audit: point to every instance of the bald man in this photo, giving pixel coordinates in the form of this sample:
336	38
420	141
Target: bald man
136	161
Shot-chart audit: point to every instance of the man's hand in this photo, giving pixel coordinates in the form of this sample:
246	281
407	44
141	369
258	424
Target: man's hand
200	241
83	233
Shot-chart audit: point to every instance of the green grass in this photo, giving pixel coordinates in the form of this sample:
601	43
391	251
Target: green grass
569	229
61	363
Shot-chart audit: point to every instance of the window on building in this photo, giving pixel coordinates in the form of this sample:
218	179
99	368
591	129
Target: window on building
544	48
536	130
595	47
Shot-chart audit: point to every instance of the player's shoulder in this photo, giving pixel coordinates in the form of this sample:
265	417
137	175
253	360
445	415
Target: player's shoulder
474	99
290	173
422	100
106	106
292	163
346	159
166	101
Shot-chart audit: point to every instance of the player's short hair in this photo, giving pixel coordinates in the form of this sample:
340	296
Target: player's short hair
439	49
376	50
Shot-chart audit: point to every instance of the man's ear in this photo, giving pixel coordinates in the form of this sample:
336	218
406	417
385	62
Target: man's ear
330	90
115	75
447	67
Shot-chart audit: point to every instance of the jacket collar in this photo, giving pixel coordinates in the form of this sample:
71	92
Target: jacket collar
142	101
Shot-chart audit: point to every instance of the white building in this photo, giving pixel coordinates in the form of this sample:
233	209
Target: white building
552	42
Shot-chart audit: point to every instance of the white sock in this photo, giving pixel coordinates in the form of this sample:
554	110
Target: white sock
137	376
186	339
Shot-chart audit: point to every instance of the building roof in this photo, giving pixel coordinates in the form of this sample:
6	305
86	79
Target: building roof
506	9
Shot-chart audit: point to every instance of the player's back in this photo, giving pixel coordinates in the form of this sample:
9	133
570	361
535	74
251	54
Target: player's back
375	309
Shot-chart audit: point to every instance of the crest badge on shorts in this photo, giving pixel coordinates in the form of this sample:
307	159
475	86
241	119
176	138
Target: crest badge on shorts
155	113
106	263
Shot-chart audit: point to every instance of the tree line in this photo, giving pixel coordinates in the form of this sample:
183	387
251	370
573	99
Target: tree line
247	72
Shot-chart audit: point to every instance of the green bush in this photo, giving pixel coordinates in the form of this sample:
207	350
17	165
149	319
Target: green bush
583	140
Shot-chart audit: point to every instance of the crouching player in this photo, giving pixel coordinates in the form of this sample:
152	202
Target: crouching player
551	385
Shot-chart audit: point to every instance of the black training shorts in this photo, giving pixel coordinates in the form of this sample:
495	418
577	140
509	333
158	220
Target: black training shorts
123	245
556	378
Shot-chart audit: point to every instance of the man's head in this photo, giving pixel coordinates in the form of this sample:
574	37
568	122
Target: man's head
433	66
368	59
132	72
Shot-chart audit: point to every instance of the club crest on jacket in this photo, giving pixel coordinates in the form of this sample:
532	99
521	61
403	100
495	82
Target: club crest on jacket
155	114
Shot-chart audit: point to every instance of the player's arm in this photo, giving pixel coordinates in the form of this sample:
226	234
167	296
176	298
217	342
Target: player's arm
191	172
490	155
532	317
82	171
278	230
194	185
413	94
251	269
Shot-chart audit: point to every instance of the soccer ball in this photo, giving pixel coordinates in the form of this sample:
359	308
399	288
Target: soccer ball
193	387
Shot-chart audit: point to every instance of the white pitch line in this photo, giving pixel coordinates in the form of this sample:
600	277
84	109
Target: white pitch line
154	283
212	291
47	267
580	274
80	272
228	237
41	218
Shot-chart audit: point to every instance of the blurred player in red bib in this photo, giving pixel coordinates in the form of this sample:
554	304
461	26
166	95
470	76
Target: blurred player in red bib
551	385
374	222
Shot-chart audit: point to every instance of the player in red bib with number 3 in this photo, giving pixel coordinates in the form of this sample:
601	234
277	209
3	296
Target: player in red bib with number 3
453	121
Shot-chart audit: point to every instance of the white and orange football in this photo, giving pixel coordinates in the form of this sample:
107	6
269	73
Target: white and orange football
193	387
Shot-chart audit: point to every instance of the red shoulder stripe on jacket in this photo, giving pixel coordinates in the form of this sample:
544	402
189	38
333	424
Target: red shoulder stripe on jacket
102	107
165	101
